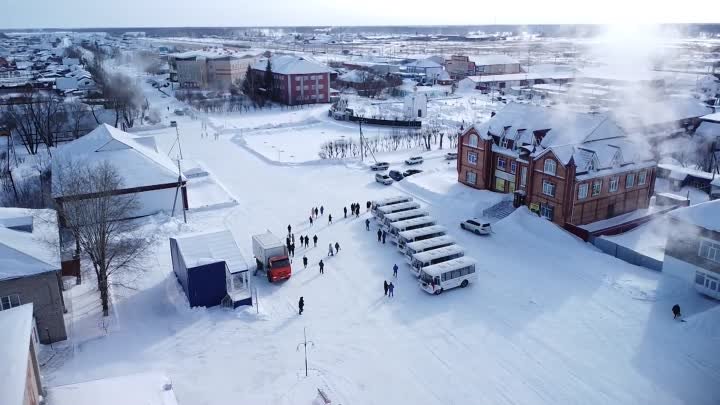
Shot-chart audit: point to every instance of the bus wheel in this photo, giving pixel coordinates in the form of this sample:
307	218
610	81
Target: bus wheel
464	284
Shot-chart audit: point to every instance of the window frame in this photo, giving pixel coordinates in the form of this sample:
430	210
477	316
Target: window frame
470	139
599	183
552	172
712	248
473	160
467	177
545	208
513	167
504	163
9	298
523	176
616	181
630	180
642	178
583	190
551	185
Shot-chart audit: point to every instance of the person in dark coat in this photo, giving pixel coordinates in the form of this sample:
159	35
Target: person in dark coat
379	235
395	268
315	240
316	212
391	289
307	241
322	210
676	311
345	211
329	219
301	306
287	242
292	249
367	224
337	247
311	221
368	205
384	235
289	229
292	237
322	267
305	260
357	210
385	286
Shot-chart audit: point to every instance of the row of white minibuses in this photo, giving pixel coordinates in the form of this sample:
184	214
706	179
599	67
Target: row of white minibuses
433	256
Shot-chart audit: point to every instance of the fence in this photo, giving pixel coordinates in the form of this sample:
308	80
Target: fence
625	254
389	123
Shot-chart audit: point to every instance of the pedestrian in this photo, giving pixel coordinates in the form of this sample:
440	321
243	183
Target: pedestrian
329	219
301	305
345	211
292	249
322	210
316	212
357	210
307	241
305	260
322	267
379	235
391	289
330	250
311	221
367	205
395	267
384	234
337	247
315	240
312	211
287	242
385	286
676	311
289	229
367	224
292	238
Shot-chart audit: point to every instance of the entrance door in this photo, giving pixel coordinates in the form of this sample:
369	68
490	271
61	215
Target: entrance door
511	186
499	184
611	210
711	284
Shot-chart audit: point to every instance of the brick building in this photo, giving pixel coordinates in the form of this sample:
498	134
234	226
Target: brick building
296	80
571	167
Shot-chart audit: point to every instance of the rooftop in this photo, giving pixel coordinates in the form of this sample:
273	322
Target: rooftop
290	64
24	253
16	324
705	215
136	389
495	59
211	247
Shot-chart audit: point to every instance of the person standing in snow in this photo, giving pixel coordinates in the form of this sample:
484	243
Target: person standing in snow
379	235
391	289
676	311
367	224
322	267
357	210
345	211
287	242
305	260
289	229
329	219
395	268
311	220
315	240
330	250
367	205
292	249
384	234
301	306
292	238
307	241
385	286
316	212
322	210
337	247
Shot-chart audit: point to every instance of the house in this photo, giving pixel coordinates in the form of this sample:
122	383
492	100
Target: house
211	269
20	383
146	173
148	388
495	64
501	82
692	251
295	80
680	177
201	69
30	268
460	66
426	68
572	168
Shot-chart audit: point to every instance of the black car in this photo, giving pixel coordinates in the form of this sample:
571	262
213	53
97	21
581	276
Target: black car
395	175
410	172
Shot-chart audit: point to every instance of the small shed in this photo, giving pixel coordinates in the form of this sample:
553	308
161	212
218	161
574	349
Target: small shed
211	269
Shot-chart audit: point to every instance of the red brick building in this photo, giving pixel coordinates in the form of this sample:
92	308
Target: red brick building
296	80
571	167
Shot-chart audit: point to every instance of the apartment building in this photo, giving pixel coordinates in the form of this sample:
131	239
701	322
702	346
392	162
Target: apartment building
202	70
296	80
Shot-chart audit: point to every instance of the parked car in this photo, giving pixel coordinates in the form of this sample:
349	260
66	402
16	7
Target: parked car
475	226
410	172
414	160
380	166
395	175
451	156
383	179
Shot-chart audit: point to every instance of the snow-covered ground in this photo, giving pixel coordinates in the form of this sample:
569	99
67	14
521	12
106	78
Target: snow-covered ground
551	320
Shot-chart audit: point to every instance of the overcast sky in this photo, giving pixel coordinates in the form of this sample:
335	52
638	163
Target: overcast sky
174	13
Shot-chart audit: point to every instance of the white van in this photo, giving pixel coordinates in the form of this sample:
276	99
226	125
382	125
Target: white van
442	276
388	201
435	256
403	215
419	234
389	209
427	245
408	225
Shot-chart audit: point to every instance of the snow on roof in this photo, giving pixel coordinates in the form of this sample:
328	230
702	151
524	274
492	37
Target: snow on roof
212	247
27	253
16	324
425	64
679	173
497	59
290	64
355	76
708	129
138	164
714	117
136	389
705	215
521	76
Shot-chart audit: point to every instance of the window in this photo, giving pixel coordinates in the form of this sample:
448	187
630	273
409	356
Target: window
597	187
630	180
513	167
614	181
642	177
709	250
550	166
505	142
523	176
583	191
472	158
9	301
699	278
499	184
456	273
473	140
501	163
548	188
547	211
297	78
470	177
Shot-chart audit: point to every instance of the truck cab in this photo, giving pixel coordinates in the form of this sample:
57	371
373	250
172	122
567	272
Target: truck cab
278	268
271	256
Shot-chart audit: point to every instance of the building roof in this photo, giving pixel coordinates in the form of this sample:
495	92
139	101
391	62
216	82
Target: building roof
16	324
136	389
509	77
714	117
424	64
212	247
496	59
705	215
138	164
25	253
291	65
667	111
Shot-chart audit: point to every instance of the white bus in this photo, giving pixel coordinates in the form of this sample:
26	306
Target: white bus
435	256
427	245
442	276
375	205
400	207
408	225
403	215
419	234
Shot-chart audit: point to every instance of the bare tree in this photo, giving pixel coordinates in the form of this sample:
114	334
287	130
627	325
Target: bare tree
94	212
36	120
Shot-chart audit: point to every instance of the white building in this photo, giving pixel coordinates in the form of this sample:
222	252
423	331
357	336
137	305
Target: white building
415	105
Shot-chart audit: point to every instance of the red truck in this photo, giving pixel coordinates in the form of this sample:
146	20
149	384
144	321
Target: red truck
271	255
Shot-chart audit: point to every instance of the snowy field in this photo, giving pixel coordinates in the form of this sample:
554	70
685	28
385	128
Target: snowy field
551	320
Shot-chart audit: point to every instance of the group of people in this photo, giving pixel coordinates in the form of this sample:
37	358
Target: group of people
304	242
381	233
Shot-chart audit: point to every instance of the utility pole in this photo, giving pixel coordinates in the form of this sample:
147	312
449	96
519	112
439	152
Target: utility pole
305	344
362	151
